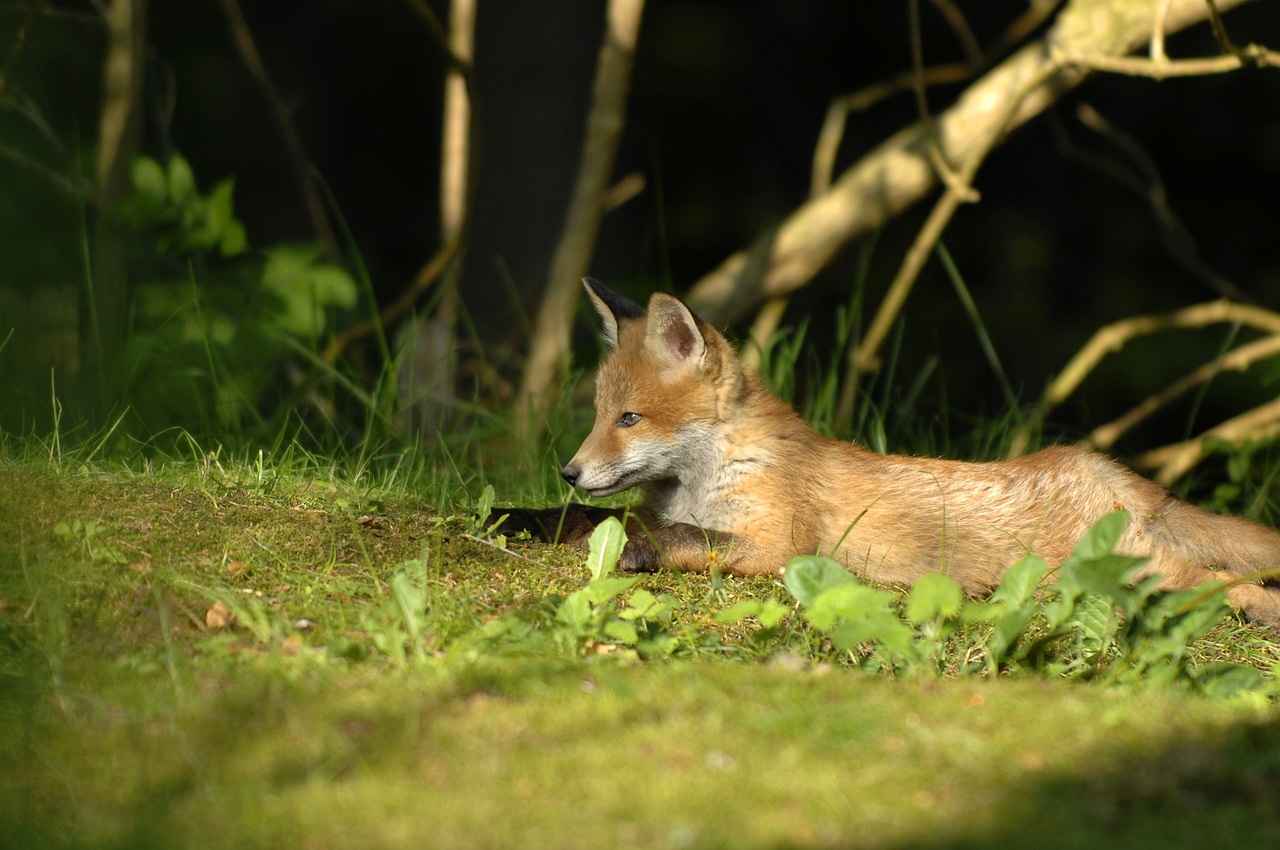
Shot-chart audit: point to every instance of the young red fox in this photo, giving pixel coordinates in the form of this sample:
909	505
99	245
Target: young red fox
730	469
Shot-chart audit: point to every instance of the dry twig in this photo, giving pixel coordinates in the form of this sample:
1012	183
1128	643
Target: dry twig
1236	360
1173	461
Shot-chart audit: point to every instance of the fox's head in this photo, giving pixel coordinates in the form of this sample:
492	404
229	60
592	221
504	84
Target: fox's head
668	381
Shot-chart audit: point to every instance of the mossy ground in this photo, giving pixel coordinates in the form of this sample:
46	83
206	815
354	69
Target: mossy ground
130	718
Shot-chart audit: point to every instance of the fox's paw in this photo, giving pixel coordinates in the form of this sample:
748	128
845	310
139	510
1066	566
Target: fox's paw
640	556
1259	604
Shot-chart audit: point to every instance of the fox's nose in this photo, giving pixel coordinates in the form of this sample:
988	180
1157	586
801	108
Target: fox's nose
571	474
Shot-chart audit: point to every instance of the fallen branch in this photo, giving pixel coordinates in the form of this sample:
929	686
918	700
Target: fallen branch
1115	336
1237	360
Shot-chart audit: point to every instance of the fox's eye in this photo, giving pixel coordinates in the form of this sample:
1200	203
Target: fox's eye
628	419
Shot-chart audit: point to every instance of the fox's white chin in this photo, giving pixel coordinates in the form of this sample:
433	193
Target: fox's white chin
607	490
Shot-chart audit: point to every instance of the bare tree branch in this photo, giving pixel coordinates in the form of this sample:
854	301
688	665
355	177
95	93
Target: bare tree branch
1237	360
1148	185
455	153
898	172
958	23
427	365
298	160
451	250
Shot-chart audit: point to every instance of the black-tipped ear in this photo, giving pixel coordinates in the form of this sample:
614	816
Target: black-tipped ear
612	307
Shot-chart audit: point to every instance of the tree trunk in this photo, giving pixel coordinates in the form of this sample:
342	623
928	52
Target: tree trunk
119	131
549	349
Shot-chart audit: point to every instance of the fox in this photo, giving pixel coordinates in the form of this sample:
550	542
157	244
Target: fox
735	478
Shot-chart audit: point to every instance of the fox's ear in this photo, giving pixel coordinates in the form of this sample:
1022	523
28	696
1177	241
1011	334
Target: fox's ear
673	331
612	307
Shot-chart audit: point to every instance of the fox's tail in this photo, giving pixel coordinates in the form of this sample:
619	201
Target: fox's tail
1232	544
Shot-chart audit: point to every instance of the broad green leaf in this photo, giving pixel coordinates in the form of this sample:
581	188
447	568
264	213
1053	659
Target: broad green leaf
220	206
605	548
1006	632
223	230
575	611
1095	616
601	590
621	631
809	575
876	625
305	286
149	179
737	612
1106	574
182	182
1021	582
484	505
642	601
976	611
643	605
849	634
847	601
331	286
1102	538
1059	609
771	613
1187	614
934	596
234	240
1223	679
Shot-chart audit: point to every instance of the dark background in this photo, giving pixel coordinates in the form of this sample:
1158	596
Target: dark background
727	100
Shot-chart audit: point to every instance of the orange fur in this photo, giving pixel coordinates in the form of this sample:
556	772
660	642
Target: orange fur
727	466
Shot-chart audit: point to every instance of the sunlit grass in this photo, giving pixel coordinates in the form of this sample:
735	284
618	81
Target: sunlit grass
133	719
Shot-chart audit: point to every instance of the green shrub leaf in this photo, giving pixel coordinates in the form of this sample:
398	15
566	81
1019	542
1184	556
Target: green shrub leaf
934	597
809	575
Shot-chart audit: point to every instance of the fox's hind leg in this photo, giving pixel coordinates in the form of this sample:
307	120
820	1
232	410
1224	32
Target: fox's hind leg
1259	603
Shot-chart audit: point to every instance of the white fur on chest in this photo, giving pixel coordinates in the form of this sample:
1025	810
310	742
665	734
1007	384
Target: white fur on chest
712	467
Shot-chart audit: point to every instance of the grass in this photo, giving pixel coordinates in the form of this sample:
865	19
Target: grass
387	680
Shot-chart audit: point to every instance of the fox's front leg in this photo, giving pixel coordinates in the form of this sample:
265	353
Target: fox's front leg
650	544
691	548
573	525
570	524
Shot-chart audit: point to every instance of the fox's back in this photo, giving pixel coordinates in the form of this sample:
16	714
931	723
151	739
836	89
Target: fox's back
899	517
